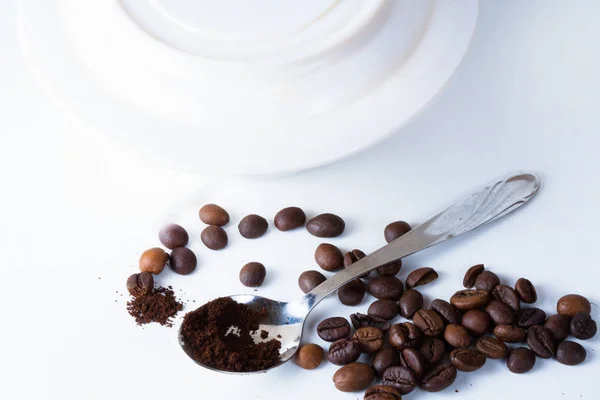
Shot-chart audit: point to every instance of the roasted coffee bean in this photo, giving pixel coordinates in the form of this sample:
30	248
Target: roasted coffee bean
140	284
326	225
510	334
526	291
457	336
353	256
329	257
308	280
487	280
472	274
212	214
183	261
353	377
476	322
334	328
309	356
447	311
404	335
253	274
469	299
390	269
570	353
430	322
369	340
421	276
352	293
500	313
173	236
412	359
385	309
439	378
401	378
395	229
364	321
433	350
410	302
253	226
153	260
583	326
491	347
386	287
541	342
214	237
343	351
559	326
520	360
530	316
508	296
381	392
571	304
467	360
383	359
289	218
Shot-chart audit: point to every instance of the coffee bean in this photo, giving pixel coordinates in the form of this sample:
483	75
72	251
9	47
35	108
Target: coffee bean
404	335
343	351
433	350
508	296
500	313
183	261
487	280
421	276
173	236
334	328
140	284
385	309
520	360
469	299
491	347
457	336
583	326
412	359
410	302
153	260
559	326
353	377
253	274
472	274
447	311
467	360
363	321
309	356
390	269
329	257
353	256
369	340
526	291
395	229
476	322
401	378
510	334
383	359
439	378
570	353
430	322
214	237
212	214
381	392
541	342
309	280
289	218
326	225
352	293
253	226
530	316
571	304
386	287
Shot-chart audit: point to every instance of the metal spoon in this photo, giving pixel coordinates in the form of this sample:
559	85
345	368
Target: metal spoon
495	200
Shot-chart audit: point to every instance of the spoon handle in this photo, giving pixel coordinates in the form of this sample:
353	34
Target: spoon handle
494	201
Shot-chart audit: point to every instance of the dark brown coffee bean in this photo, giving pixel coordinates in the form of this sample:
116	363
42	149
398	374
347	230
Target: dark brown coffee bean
526	291
487	280
570	353
386	287
491	347
530	316
467	360
326	225
429	322
508	296
353	377
476	322
559	326
583	327
153	260
401	378
404	335
385	309
381	392
140	284
541	342
329	257
421	276
412	359
410	302
253	274
352	293
334	328
308	280
214	237
253	226
369	340
383	359
309	356
500	313
457	336
439	378
520	360
173	236
571	304
390	269
470	299
353	256
183	261
289	218
212	214
447	311
433	350
510	334
343	351
395	229
363	321
472	274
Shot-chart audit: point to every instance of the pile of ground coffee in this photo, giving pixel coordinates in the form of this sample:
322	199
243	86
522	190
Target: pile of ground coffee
218	335
160	306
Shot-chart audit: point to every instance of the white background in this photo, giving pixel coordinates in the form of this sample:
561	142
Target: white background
74	209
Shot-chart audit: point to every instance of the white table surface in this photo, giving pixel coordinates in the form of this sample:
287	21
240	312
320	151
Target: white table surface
76	212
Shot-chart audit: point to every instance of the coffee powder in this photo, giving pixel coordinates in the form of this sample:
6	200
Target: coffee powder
160	306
